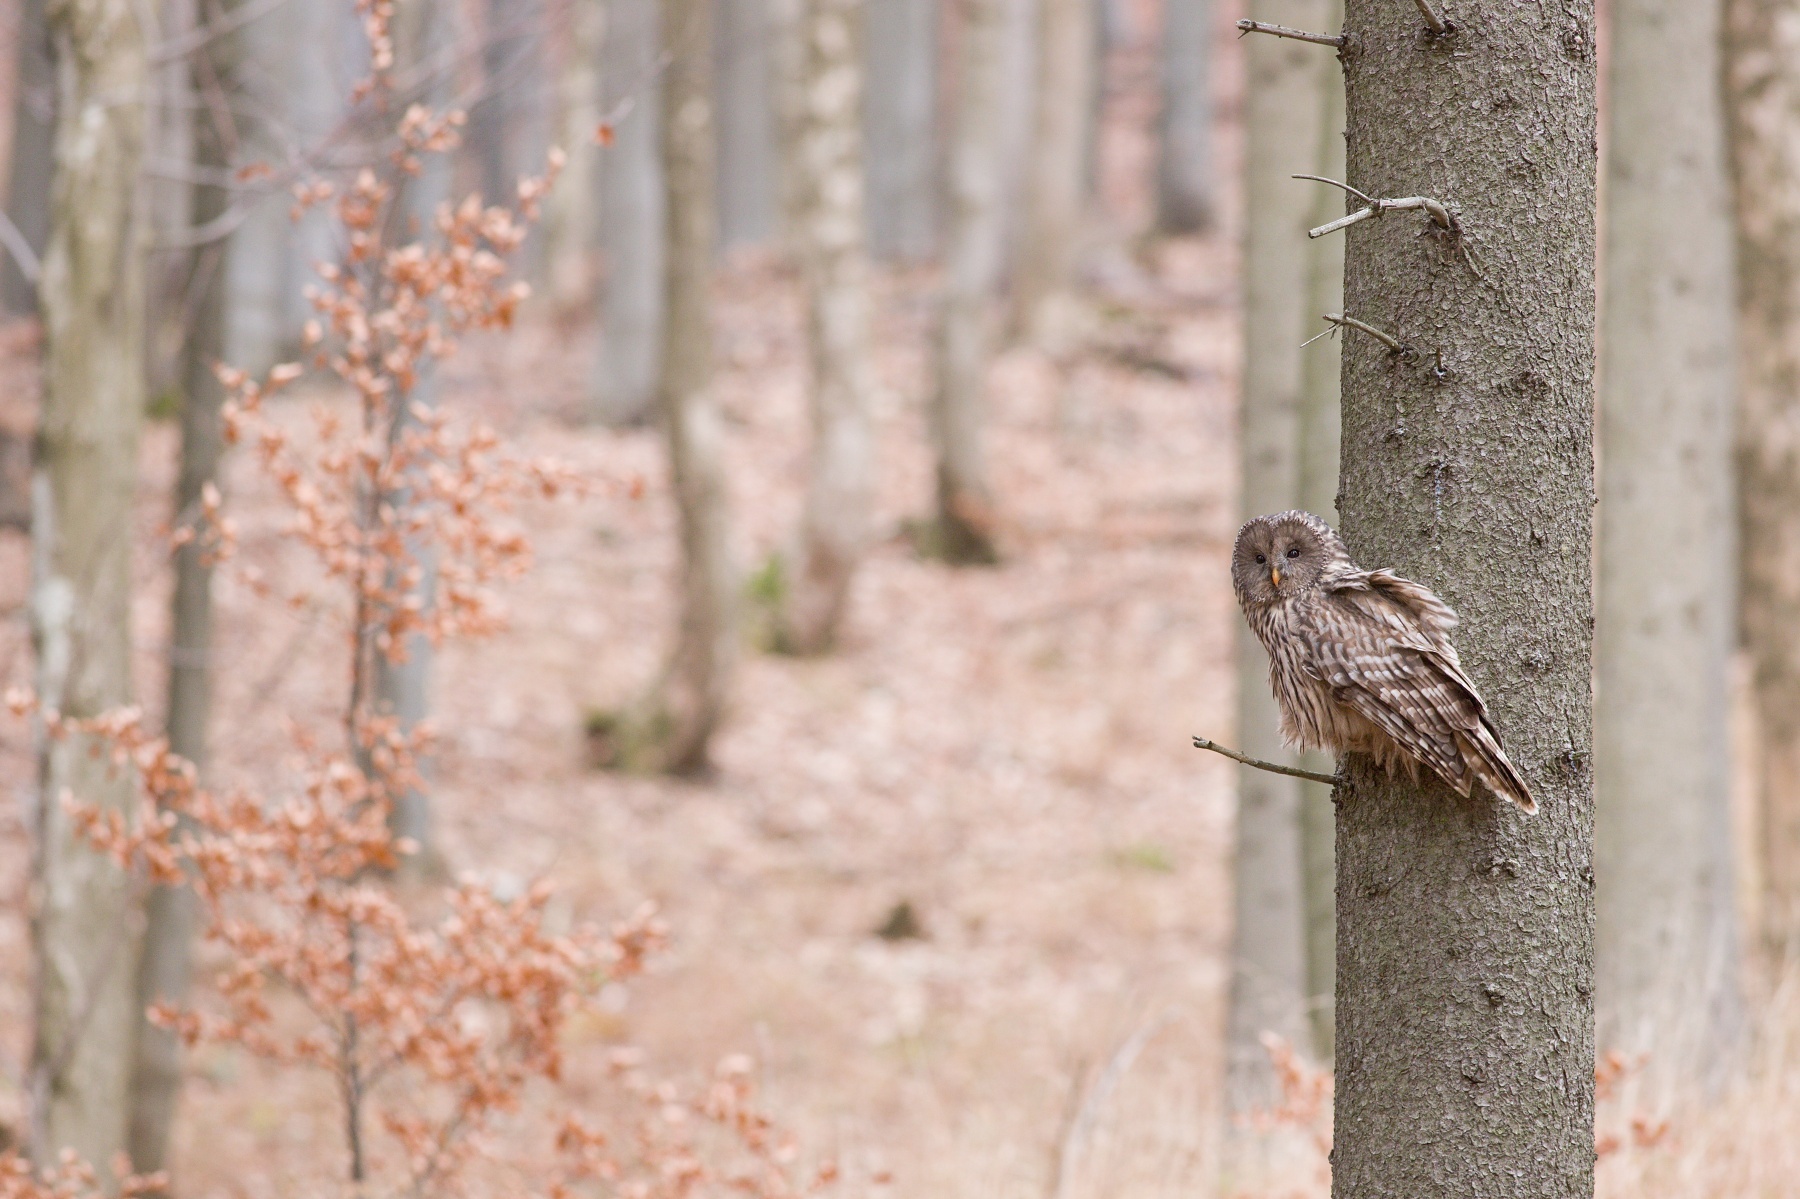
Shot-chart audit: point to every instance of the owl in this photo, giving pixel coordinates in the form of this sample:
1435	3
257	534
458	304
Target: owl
1360	660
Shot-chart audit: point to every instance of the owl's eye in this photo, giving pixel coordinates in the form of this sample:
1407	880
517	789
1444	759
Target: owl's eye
1260	560
1294	553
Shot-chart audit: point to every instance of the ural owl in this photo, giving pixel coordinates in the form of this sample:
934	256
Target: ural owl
1361	660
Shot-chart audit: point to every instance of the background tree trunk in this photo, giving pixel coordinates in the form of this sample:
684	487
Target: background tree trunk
1184	161
900	107
671	728
1320	429
1284	108
962	528
834	526
632	219
31	163
572	215
86	924
171	912
748	163
169	146
1057	178
1667	960
1465	929
1762	47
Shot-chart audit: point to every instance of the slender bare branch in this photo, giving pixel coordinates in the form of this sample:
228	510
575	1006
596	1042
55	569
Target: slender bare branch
1439	214
1299	35
1274	767
1439	26
1365	198
1387	339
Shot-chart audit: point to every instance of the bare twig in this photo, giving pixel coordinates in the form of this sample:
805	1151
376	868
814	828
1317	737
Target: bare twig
1272	767
1299	35
1439	26
22	254
1387	339
1366	199
1440	215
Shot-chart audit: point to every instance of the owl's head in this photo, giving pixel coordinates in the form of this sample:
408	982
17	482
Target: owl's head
1282	555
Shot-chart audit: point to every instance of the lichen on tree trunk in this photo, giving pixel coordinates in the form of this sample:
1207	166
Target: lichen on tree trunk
1465	1049
86	923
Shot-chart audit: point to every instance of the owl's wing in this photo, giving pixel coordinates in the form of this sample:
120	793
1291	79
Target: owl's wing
1381	643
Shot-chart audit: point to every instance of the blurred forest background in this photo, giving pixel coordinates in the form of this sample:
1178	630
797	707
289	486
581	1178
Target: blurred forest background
910	365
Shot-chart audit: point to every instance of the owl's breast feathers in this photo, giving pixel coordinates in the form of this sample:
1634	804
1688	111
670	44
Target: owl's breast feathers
1364	662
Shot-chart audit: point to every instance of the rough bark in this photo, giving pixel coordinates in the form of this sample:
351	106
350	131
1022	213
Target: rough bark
1284	107
1184	160
86	923
632	217
1320	445
1762	48
748	165
671	728
834	526
1663	642
1465	929
962	527
166	966
900	112
572	214
1056	185
31	163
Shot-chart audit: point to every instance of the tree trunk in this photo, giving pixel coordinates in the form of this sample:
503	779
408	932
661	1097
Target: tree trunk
1320	429
86	925
900	113
632	219
746	104
169	145
1057	176
31	163
962	529
1465	1059
424	31
1667	941
1762	47
171	912
572	214
671	728
1184	163
1285	106
834	526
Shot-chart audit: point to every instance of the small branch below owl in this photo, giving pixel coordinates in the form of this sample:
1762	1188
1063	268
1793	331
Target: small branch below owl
1299	35
1440	216
1271	767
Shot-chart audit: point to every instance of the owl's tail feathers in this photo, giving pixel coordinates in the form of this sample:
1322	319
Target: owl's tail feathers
1494	769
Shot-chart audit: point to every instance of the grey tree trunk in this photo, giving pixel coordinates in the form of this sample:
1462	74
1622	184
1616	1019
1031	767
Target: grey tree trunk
962	528
1465	1045
1762	47
632	219
166	967
834	526
424	32
671	728
572	215
748	162
32	161
1320	446
1285	108
169	145
1184	162
86	926
1663	643
1057	176
900	115
508	126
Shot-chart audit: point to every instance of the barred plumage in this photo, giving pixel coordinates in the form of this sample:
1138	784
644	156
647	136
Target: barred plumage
1361	660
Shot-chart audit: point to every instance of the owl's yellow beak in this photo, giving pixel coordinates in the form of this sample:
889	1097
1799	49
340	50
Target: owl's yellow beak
1275	575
